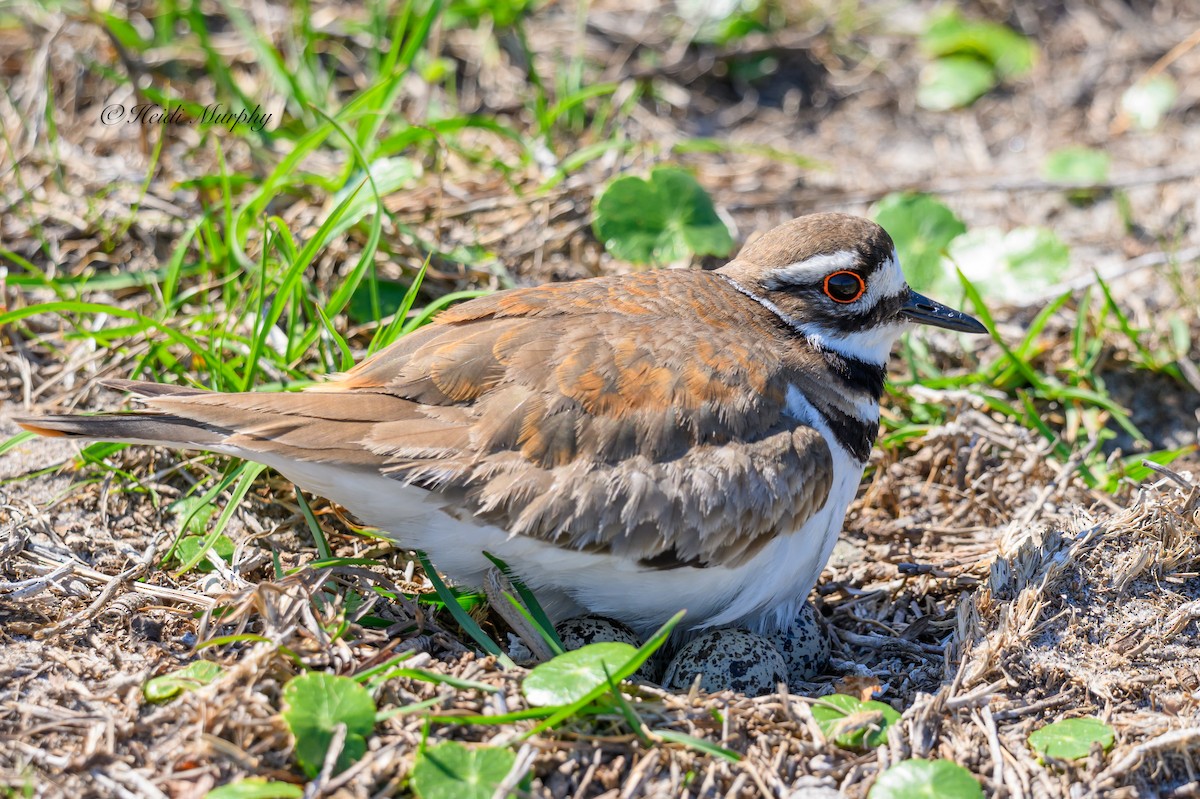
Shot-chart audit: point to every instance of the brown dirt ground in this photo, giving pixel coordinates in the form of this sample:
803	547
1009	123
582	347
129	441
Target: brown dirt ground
981	588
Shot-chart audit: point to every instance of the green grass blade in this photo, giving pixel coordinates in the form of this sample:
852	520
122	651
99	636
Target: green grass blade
317	533
699	744
464	620
67	307
385	335
430	310
291	276
16	441
247	478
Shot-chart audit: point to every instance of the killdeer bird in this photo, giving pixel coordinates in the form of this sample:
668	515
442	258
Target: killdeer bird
629	445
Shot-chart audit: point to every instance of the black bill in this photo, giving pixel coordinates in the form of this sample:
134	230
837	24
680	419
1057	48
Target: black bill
922	310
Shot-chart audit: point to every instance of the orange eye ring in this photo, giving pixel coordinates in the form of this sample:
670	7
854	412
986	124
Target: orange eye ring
843	291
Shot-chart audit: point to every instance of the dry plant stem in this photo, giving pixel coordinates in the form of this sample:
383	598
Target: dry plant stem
1170	474
1034	707
23	589
43	556
1112	274
1122	122
372	759
1183	740
132	574
520	767
1152	176
984	721
1068	469
497	589
316	788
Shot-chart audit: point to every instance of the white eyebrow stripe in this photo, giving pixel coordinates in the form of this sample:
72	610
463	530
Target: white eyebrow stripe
811	270
888	281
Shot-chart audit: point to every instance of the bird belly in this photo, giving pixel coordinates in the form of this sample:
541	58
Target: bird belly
763	593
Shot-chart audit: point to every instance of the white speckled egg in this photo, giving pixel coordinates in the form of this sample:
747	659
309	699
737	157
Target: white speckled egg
727	659
804	646
580	631
583	630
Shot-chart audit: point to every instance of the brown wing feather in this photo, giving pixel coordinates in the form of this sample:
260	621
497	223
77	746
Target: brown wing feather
551	412
579	434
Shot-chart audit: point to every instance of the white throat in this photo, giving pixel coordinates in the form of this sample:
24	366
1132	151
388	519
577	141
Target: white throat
872	346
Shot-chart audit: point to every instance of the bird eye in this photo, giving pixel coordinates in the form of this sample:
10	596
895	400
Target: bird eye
844	286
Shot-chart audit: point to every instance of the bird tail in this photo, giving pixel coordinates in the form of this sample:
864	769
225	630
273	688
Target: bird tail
269	427
138	427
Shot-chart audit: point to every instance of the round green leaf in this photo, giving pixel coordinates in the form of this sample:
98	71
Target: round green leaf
389	294
1002	48
566	678
255	788
189	547
1071	739
1009	265
315	704
954	82
192	514
1076	165
922	228
663	219
190	677
852	723
926	779
451	770
1148	101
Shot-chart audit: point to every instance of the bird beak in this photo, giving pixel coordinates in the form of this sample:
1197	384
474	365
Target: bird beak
924	311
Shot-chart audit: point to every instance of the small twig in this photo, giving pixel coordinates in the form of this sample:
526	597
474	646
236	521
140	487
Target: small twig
88	574
876	641
1190	372
1030	512
22	589
1187	738
498	590
1182	616
979	697
520	767
1035	707
1121	123
1170	474
17	532
336	743
1152	177
638	773
130	575
1111	274
987	723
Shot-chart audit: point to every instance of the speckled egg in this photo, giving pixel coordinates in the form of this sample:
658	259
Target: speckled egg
580	631
804	646
727	659
583	630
